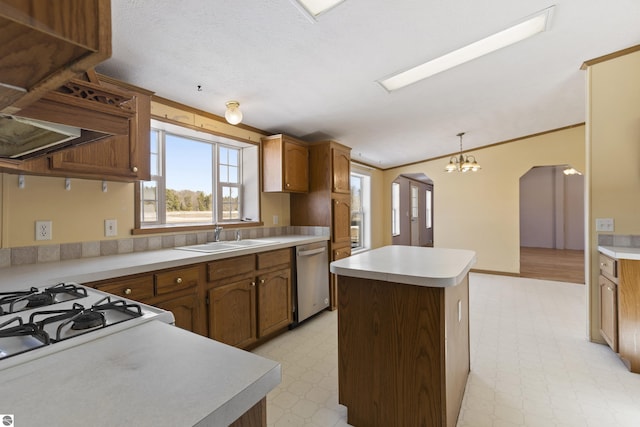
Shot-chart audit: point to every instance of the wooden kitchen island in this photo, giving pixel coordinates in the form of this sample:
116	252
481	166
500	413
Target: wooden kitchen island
403	335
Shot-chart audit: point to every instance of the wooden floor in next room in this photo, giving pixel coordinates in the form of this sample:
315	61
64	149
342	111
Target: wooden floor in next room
563	265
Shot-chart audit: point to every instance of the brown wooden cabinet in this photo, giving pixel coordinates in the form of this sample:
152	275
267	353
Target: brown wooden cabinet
620	307
328	202
101	106
122	114
285	164
232	313
609	312
341	169
250	297
43	44
341	219
274	296
177	290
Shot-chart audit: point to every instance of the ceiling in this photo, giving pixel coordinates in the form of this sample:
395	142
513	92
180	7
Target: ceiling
317	80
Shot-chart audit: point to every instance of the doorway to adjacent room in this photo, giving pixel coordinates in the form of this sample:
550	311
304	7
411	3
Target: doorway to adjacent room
552	224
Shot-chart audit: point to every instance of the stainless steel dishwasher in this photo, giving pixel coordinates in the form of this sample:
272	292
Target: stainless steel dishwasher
312	280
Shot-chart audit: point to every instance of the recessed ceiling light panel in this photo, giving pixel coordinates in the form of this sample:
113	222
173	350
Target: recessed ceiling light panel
537	24
314	8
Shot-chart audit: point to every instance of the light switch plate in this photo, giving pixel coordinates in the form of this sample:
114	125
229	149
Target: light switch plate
110	227
604	224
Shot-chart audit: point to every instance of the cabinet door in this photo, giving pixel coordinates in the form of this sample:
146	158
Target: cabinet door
341	161
608	312
341	219
185	310
232	318
296	167
274	301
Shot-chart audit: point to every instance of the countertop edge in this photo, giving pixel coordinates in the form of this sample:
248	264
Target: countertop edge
619	252
435	280
83	270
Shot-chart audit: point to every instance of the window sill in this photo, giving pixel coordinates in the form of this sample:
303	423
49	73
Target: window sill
173	228
359	250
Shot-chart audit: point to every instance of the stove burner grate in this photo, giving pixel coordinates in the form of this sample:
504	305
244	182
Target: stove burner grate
39	300
88	319
19	331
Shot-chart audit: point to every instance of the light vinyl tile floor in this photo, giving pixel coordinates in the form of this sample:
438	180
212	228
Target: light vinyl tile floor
531	364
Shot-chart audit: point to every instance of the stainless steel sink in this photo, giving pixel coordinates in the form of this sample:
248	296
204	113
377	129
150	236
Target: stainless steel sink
250	242
213	247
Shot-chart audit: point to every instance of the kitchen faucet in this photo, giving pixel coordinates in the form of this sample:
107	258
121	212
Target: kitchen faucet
216	233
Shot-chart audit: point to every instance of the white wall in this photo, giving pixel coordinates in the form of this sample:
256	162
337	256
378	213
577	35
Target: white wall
551	209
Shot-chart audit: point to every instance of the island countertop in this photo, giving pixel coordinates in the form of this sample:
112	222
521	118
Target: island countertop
411	265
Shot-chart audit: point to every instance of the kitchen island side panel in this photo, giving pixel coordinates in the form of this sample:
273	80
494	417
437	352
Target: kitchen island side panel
391	352
458	364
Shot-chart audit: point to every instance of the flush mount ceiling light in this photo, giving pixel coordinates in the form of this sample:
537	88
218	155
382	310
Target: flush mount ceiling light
313	8
233	113
462	163
570	170
532	26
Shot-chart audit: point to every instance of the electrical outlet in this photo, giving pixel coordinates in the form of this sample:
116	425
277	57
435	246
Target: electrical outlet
44	230
275	220
604	224
110	227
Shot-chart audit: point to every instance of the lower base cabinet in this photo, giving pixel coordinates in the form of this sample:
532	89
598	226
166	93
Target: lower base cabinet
609	312
274	302
232	309
250	297
175	290
239	301
185	311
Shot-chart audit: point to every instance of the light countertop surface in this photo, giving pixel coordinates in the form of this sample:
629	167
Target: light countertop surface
153	374
620	252
106	267
411	265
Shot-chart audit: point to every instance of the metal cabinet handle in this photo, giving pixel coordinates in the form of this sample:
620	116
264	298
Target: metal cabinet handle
288	185
134	169
261	281
127	291
253	283
179	280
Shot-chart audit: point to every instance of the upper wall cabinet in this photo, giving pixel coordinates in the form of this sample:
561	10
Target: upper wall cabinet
44	44
116	117
285	165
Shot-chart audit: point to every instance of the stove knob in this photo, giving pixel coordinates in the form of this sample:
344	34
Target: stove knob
127	291
179	280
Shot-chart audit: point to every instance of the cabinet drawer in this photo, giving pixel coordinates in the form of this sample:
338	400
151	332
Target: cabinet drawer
175	280
230	267
274	258
608	266
339	253
138	288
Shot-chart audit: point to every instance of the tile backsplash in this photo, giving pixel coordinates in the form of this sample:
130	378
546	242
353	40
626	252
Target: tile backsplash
66	251
619	240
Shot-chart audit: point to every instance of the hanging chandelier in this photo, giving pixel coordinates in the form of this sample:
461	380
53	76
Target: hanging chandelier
462	163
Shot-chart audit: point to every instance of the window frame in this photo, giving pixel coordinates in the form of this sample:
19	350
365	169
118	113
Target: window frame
365	210
160	225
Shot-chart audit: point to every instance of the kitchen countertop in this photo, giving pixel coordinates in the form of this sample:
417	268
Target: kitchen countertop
412	265
106	267
620	252
153	374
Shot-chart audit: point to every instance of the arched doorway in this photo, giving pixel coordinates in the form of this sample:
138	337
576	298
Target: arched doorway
552	224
